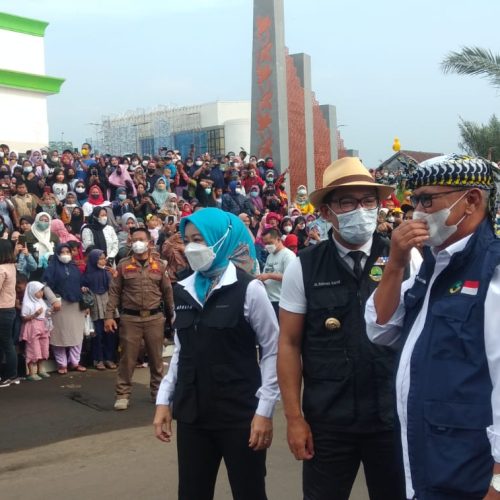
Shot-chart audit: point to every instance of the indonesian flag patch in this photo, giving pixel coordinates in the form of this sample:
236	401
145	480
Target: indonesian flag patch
470	287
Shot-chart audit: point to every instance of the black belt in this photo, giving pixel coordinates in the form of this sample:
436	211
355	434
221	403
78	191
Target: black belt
143	314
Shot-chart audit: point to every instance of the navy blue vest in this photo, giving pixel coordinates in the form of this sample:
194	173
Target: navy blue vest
348	381
218	372
449	403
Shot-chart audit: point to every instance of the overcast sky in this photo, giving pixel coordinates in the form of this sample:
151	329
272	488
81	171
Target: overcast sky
378	62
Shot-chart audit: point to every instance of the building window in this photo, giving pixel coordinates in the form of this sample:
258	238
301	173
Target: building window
216	141
147	146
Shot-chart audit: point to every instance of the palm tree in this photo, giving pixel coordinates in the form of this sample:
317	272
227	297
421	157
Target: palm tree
474	61
481	139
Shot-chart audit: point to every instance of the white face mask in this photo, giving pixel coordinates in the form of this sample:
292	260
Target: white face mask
270	248
198	163
65	259
103	220
238	191
357	227
201	257
139	247
439	231
287	229
80	190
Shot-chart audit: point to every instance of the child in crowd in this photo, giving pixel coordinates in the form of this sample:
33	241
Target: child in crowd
35	330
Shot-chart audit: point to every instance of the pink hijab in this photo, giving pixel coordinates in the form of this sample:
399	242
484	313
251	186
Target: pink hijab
58	228
123	180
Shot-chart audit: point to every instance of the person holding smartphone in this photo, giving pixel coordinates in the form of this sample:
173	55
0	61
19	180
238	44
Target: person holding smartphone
25	262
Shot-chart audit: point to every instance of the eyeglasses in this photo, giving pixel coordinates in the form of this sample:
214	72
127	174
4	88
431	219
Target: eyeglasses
348	204
425	199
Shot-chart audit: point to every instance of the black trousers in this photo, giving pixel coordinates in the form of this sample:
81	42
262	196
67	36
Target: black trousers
330	474
200	452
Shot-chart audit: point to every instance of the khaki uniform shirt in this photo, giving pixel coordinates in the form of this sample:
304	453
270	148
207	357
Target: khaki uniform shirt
140	287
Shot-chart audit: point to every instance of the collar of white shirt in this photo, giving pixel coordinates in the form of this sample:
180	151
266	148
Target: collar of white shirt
366	248
447	252
228	278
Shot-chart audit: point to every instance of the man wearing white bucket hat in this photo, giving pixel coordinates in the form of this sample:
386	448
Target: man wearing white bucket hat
347	408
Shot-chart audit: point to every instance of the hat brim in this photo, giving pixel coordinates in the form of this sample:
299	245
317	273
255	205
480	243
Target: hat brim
317	197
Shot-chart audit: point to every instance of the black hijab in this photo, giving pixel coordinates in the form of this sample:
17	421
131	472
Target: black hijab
97	230
76	221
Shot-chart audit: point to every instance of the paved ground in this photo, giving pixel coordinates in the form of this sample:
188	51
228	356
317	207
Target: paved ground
60	438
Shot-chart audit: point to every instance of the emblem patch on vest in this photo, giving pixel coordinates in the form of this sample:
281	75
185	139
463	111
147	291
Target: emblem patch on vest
456	287
376	273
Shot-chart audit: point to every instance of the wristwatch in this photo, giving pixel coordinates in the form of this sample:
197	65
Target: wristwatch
495	482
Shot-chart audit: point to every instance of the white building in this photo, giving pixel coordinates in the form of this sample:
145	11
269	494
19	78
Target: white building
216	127
24	86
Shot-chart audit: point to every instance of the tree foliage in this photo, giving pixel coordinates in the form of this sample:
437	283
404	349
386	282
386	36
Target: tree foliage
481	139
474	61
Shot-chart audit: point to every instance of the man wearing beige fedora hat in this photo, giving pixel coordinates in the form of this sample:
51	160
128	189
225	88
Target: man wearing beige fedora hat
347	409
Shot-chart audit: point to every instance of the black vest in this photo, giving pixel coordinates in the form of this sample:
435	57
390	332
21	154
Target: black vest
218	372
348	381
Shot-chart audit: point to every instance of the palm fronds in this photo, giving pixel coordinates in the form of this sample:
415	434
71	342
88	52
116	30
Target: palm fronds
474	61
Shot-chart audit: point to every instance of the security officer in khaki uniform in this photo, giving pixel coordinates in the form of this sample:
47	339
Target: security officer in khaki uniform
139	290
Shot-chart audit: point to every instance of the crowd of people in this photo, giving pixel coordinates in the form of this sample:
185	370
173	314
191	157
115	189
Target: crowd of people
326	298
70	214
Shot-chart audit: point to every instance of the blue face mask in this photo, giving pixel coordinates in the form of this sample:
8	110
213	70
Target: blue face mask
254	194
356	227
122	197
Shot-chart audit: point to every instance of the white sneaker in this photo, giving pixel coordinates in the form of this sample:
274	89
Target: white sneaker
121	404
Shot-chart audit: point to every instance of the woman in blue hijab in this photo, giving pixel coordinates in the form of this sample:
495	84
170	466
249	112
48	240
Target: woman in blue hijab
63	278
121	204
222	392
96	279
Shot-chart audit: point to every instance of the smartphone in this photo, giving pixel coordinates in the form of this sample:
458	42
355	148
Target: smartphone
171	219
21	240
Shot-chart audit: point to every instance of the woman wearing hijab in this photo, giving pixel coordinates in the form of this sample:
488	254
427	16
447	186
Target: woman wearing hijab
96	199
222	395
96	279
235	202
63	278
120	178
31	180
41	241
302	201
81	193
256	199
160	193
129	220
121	203
299	229
144	205
99	234
59	229
76	221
